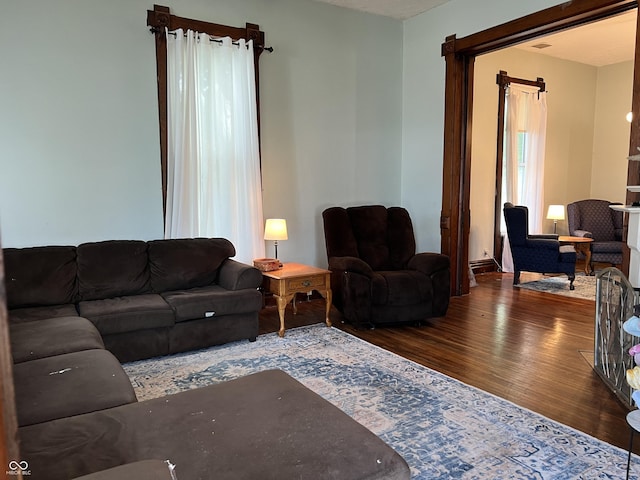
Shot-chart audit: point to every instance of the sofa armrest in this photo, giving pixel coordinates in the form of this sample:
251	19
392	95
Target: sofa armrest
582	233
234	275
350	264
428	263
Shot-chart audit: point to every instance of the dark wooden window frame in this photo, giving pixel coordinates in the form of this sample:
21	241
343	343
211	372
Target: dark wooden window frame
459	54
159	18
504	80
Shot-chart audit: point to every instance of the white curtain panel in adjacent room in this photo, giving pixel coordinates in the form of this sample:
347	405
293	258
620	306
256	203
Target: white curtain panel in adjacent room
213	165
524	152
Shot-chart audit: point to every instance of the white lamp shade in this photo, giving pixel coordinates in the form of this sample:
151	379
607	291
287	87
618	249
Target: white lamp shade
275	229
555	212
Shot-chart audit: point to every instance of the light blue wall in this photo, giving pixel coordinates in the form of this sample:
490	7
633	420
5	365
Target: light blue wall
352	112
79	128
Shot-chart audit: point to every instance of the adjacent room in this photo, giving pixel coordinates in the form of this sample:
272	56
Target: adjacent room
265	239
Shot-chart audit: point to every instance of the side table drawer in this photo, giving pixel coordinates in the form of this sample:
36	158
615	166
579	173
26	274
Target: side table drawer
309	282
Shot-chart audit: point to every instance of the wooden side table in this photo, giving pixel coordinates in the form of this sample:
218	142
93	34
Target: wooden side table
294	278
582	245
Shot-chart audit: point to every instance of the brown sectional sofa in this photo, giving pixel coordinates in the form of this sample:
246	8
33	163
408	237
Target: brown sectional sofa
145	298
78	415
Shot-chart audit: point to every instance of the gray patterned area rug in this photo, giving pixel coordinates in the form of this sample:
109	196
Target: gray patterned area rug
559	285
443	428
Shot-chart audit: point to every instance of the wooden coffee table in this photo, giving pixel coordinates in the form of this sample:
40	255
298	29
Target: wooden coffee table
294	278
582	245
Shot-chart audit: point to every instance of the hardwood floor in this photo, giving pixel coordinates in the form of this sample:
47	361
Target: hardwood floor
527	347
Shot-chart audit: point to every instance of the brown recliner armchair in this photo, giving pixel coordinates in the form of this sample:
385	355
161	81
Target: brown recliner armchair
376	275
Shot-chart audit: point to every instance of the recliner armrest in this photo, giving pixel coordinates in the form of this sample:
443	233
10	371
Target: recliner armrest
428	263
582	233
351	264
234	275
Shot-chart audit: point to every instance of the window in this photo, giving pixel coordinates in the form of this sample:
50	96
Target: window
208	133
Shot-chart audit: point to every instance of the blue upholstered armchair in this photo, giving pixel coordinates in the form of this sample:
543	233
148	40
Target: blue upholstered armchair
594	219
536	253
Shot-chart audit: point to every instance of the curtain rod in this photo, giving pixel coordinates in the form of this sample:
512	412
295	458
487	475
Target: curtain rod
504	80
155	30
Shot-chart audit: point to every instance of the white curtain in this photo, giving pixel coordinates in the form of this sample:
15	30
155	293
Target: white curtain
524	147
213	163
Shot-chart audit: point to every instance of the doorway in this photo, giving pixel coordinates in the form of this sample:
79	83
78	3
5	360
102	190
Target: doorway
460	57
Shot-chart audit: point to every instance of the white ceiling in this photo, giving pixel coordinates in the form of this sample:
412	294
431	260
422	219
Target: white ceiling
605	42
601	43
400	9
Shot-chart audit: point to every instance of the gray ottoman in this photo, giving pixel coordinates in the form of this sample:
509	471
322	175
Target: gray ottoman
262	426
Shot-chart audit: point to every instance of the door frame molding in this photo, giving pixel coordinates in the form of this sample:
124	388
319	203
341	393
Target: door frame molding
459	54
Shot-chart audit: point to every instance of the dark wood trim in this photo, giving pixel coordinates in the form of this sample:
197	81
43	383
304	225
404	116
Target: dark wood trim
451	214
553	19
497	212
459	54
9	449
503	79
159	18
483	266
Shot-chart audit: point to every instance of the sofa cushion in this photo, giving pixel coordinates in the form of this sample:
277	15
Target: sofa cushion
370	226
212	301
70	384
126	314
55	336
40	276
262	426
30	314
179	264
112	269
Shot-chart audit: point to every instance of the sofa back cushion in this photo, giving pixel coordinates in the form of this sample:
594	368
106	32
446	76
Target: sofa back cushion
38	276
370	225
382	237
178	264
112	268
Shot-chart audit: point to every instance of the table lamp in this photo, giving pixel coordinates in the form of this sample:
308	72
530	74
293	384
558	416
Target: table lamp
275	229
555	213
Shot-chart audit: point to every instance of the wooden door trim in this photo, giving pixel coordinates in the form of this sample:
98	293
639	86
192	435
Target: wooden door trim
459	57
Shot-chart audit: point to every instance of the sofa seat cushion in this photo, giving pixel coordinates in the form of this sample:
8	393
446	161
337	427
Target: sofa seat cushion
262	426
55	336
400	287
30	314
70	384
127	314
212	301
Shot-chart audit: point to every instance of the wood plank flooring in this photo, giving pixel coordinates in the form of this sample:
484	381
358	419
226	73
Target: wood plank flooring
527	347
